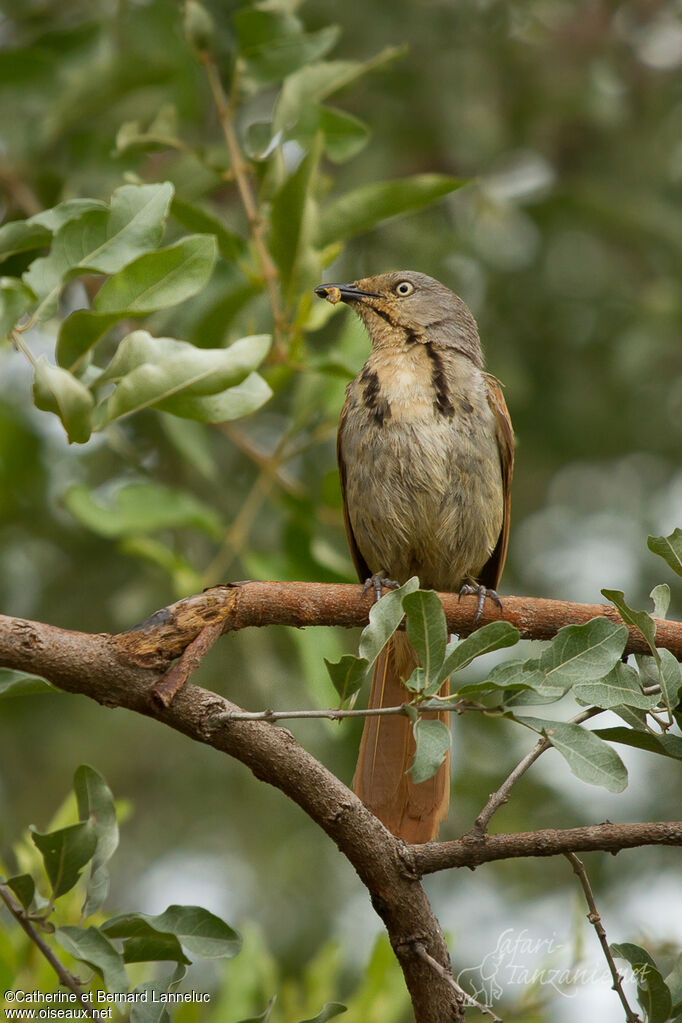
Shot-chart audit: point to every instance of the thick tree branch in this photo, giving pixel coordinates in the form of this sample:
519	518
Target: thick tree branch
166	634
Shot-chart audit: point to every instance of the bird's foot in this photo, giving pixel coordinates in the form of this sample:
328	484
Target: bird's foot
471	589
377	582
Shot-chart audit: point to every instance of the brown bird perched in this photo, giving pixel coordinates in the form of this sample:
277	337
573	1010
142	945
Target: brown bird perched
425	450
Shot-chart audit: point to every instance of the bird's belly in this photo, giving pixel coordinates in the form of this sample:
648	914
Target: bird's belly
424	496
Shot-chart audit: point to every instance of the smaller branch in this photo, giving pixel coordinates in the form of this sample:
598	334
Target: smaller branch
447	976
164	691
595	919
333	715
66	979
472	850
499	798
241	176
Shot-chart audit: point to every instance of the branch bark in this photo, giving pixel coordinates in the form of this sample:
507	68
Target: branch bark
165	635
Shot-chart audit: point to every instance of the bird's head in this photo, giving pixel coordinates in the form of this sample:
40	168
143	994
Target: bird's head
409	306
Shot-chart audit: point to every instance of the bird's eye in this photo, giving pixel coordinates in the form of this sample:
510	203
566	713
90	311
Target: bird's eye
404	288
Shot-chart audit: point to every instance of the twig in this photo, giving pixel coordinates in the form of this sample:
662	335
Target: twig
595	919
21	345
447	976
331	714
164	691
66	978
501	796
256	223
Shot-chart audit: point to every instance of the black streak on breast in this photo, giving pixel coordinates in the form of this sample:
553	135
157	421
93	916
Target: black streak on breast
375	404
441	399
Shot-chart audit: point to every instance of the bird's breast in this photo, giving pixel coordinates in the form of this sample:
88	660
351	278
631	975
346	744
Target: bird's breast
422	467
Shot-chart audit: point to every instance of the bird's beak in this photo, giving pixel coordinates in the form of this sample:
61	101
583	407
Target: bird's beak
343	293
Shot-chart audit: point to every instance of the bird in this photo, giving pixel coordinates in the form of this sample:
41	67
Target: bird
425	452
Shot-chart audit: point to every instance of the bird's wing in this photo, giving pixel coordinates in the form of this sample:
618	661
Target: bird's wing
361	566
492	570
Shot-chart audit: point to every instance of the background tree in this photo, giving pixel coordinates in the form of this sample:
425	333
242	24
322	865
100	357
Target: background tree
565	242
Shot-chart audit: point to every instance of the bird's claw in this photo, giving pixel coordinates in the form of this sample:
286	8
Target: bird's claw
481	592
377	582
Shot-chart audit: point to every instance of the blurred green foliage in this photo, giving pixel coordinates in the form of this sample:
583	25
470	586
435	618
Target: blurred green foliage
565	121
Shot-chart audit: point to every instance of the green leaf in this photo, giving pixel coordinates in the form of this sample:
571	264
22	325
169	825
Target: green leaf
664	745
20	683
22	236
652	993
65	211
347	674
582	653
588	757
232	403
198	26
90	946
65	853
15	300
291	220
327	1012
194	218
169	368
460	653
23	887
264	1016
674	984
101	240
522	675
273	44
631	716
427	631
660	596
669	678
78	333
96	804
315	82
621	686
56	390
432	738
364	207
141	508
201	933
161	132
640	619
157	280
669	548
150	1005
384	618
344	136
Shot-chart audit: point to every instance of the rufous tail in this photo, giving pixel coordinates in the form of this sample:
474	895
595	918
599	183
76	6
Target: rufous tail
409	811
